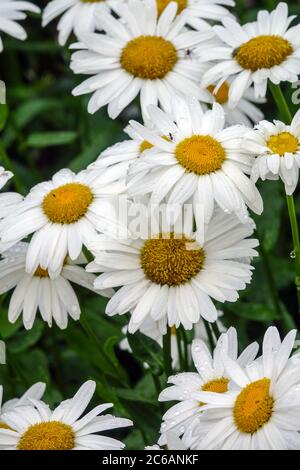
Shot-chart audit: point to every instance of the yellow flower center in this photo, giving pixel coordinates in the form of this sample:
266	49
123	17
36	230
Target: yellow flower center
162	4
51	435
283	143
92	1
171	260
216	386
200	154
222	95
149	57
253	407
263	52
68	203
4	426
145	145
173	330
40	272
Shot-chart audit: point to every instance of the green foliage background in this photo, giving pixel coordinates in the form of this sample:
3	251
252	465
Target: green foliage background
43	129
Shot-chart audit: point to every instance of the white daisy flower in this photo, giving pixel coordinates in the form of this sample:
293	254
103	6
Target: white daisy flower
5	176
36	427
195	159
77	15
245	112
267	49
173	442
201	12
35	392
12	11
276	147
64	214
170	277
210	376
140	54
261	411
54	298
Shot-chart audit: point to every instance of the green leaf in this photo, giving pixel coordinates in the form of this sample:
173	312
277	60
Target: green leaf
3	115
268	225
8	329
23	340
51	139
253	312
146	350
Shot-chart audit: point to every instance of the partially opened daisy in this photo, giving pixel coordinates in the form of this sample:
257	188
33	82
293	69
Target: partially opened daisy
169	276
210	376
267	49
36	427
35	392
195	159
12	11
78	16
245	112
276	147
55	299
140	54
201	12
64	214
262	409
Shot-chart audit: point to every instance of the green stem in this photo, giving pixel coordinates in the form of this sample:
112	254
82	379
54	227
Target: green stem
215	329
158	389
287	320
167	352
209	335
281	103
186	349
296	243
287	117
179	347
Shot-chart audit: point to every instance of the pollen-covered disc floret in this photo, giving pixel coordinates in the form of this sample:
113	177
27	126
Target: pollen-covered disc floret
256	52
154	59
254	406
210	376
78	16
200	162
63	214
55	299
149	57
10	12
51	435
168	276
68	203
171	259
35	427
276	148
260	410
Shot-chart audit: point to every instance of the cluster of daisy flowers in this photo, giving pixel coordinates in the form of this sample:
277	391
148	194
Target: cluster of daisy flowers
192	166
236	402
